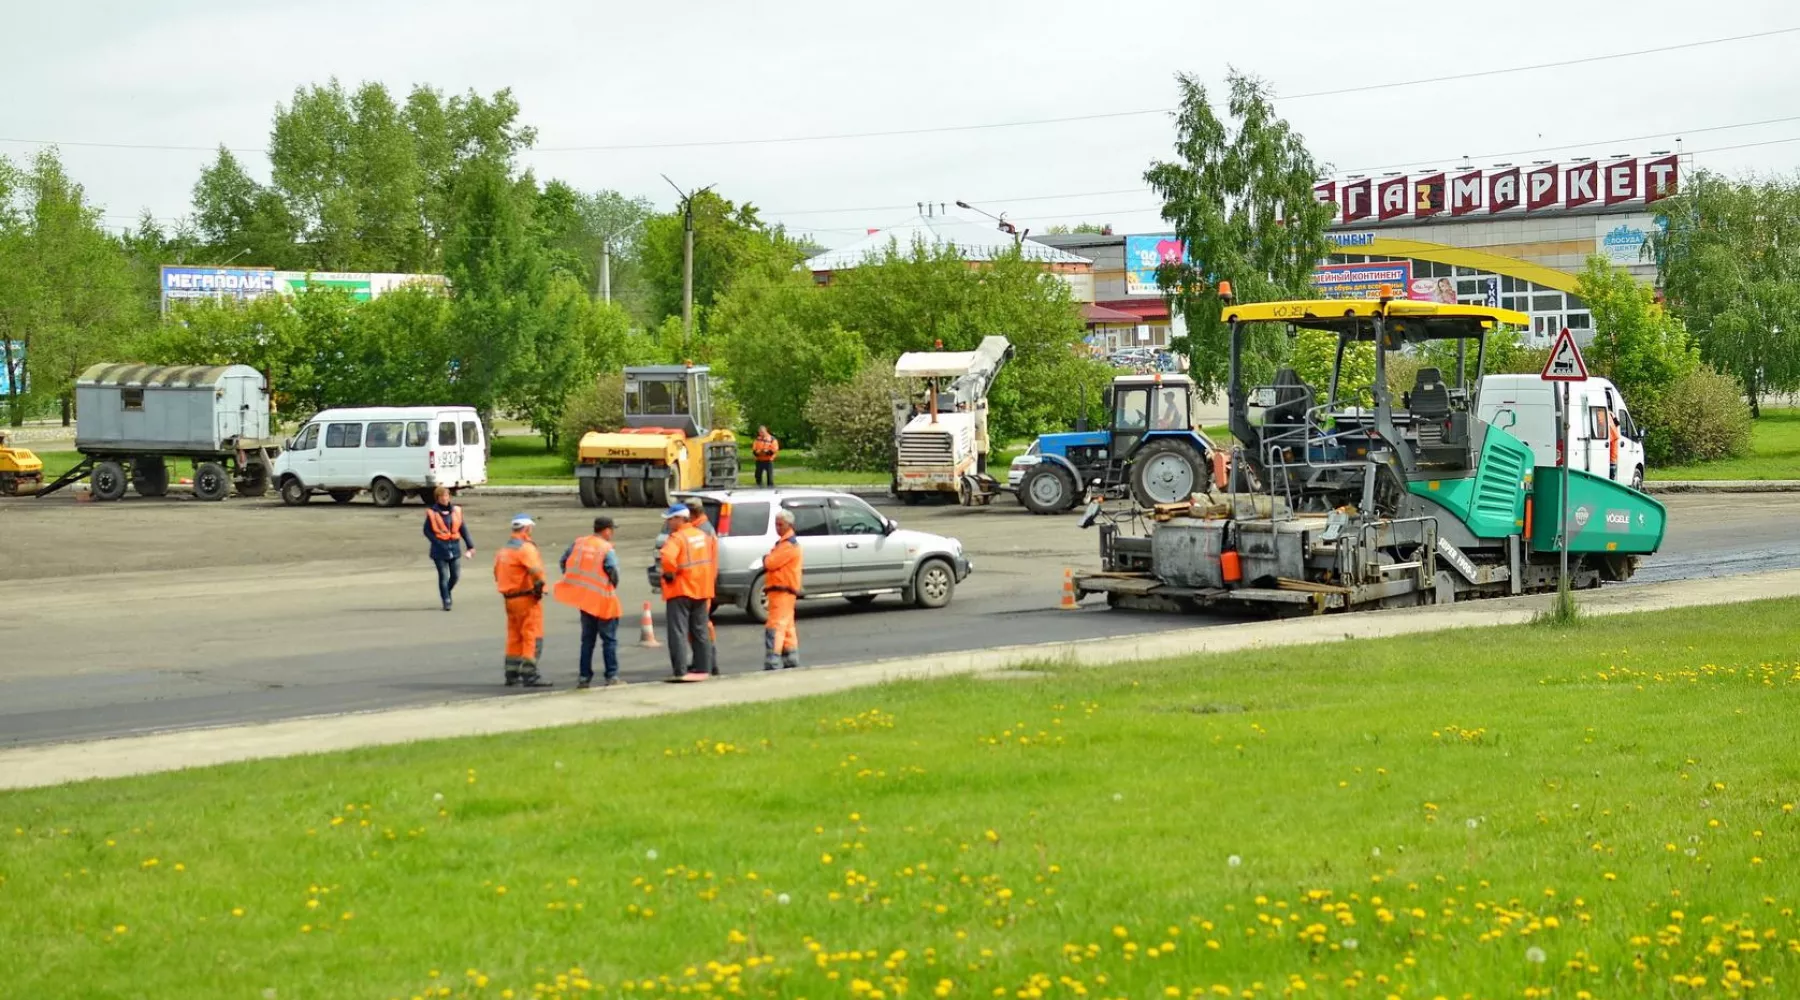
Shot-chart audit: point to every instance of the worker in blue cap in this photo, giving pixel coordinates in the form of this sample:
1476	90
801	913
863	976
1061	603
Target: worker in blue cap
686	564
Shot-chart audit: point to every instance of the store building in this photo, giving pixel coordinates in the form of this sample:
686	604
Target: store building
1508	235
1125	308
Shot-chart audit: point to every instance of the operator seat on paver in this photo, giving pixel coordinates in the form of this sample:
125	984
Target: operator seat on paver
1443	440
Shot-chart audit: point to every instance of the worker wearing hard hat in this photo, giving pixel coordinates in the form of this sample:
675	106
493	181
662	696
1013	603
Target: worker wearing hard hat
519	576
764	449
697	517
781	582
687	565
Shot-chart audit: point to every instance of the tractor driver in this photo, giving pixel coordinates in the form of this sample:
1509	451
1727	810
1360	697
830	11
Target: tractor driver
1170	414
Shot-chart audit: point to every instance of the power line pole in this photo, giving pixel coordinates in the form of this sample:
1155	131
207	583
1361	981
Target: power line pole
606	270
687	259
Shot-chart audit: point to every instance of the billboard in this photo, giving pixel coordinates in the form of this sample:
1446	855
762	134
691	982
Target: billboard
1624	241
1143	255
1364	281
6	370
1542	187
244	283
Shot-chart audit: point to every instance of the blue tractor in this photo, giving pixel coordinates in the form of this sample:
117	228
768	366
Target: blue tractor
1154	448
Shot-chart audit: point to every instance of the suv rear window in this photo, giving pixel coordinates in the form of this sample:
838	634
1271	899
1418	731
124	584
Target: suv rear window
747	519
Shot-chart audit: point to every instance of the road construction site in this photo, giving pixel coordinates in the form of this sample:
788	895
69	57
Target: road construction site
158	614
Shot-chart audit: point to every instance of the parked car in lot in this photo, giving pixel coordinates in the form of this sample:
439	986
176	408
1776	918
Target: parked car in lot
852	551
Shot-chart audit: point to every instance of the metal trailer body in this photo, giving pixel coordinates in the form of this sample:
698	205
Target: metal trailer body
941	442
1338	507
136	417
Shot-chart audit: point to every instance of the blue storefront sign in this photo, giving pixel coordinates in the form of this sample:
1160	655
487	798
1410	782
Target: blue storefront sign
179	283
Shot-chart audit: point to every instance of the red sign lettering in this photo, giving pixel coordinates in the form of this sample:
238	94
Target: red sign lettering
1619	181
1659	179
1540	188
1392	195
1503	191
1428	196
1583	184
1465	193
1357	203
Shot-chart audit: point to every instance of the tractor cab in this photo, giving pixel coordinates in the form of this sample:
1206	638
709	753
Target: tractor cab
669	397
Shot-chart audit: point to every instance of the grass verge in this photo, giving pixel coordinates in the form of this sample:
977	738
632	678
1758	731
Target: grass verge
1492	813
1774	454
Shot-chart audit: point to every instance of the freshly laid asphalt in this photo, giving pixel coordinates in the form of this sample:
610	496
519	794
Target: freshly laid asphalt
145	616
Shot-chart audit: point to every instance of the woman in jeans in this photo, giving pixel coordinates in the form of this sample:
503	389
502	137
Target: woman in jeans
450	541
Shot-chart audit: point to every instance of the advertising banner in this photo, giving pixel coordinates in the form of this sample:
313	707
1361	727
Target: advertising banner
18	361
1143	255
1624	241
1364	281
243	283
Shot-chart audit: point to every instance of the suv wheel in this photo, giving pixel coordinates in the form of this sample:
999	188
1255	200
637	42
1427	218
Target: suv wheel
933	584
756	601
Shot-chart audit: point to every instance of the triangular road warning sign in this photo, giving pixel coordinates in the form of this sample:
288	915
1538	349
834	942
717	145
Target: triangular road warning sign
1565	364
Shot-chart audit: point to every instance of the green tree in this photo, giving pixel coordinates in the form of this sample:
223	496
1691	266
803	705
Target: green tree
496	264
1240	196
1314	356
1637	344
1729	262
240	220
729	241
781	344
567	339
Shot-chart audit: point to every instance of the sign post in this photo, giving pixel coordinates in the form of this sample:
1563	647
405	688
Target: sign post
1565	366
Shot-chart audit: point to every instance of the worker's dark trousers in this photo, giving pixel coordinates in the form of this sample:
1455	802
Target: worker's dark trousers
686	626
765	470
449	571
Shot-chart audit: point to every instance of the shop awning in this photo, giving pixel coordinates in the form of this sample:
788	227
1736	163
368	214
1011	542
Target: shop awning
1092	314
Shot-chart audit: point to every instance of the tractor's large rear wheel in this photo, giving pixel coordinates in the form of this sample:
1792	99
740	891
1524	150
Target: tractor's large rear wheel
1167	471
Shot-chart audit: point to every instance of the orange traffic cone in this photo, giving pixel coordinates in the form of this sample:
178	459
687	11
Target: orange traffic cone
1068	595
647	629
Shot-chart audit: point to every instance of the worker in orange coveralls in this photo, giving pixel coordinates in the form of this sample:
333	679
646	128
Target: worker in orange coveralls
781	582
519	575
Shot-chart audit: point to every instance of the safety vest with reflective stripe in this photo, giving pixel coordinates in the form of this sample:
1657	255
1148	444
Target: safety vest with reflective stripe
765	447
517	568
585	584
687	564
445	531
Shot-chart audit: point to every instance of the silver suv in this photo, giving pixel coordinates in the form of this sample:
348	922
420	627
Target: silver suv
851	550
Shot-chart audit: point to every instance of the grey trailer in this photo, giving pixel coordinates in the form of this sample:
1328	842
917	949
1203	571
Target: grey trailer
139	417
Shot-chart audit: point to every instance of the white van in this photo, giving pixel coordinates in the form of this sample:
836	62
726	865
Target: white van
388	450
1525	406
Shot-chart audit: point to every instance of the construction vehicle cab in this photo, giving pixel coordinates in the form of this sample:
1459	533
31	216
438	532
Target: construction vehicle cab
667	444
21	471
1334	506
1153	447
941	440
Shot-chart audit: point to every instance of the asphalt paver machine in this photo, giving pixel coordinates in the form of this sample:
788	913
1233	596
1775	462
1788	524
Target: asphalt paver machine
1330	506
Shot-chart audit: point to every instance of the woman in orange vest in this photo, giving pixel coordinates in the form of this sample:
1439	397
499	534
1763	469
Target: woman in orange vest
450	541
591	583
519	576
764	449
781	582
687	589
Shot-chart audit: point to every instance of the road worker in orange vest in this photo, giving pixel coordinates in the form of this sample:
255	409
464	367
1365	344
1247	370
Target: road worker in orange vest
697	517
781	582
450	541
519	576
590	583
764	449
687	562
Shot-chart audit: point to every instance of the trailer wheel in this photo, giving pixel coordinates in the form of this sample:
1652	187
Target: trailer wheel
294	492
587	486
635	495
1047	489
211	482
107	481
385	493
1166	471
149	476
252	480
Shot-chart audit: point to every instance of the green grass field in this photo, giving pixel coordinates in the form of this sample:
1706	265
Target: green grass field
1775	453
1606	812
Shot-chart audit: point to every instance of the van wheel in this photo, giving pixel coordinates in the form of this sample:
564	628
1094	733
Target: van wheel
426	496
756	601
1637	478
934	584
342	496
385	493
294	492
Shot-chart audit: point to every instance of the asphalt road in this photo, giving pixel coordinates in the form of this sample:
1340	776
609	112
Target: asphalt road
160	614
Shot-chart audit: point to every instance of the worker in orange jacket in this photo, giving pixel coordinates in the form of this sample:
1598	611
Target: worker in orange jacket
590	584
781	582
764	449
687	568
697	517
519	576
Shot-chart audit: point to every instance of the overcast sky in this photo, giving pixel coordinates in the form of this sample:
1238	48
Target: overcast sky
588	74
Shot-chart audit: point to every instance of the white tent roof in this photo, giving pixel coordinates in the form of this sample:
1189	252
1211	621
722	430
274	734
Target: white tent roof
973	240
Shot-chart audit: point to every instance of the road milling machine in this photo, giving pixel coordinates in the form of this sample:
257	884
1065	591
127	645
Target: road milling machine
1333	507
